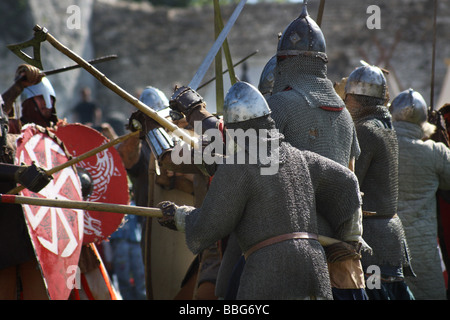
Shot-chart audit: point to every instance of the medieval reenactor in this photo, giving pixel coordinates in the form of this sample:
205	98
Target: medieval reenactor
377	172
17	259
307	110
273	216
423	168
183	184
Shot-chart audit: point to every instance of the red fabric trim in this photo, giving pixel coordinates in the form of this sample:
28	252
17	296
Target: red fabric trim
331	108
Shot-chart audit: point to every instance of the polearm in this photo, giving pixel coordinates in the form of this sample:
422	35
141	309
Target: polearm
83	205
77	66
42	33
320	12
106	207
226	70
433	58
80	158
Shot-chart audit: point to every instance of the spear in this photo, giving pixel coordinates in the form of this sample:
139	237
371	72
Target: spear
106	207
83	205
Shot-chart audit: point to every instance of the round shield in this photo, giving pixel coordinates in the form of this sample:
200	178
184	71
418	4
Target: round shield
108	174
56	233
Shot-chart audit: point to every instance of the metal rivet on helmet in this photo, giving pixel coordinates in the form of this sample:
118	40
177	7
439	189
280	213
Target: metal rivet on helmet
410	106
244	102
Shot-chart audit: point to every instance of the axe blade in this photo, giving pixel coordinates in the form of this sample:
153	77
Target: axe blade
35	42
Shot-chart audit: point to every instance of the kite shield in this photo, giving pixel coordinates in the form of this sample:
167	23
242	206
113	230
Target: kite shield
108	174
56	233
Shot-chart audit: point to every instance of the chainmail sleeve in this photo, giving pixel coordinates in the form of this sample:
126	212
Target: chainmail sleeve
338	198
221	210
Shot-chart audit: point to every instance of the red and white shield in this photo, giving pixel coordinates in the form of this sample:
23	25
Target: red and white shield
56	233
108	174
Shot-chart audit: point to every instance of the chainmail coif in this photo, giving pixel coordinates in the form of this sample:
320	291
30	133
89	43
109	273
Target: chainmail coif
255	207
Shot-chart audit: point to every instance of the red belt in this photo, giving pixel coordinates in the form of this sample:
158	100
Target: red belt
276	239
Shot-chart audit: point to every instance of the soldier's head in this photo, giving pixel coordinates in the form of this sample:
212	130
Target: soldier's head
154	98
367	85
409	106
267	77
301	36
38	104
243	103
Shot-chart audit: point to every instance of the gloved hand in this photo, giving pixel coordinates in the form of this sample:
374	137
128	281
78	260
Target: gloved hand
139	120
185	100
168	209
28	75
32	177
342	251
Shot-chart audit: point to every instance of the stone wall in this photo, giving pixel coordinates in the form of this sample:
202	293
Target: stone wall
163	47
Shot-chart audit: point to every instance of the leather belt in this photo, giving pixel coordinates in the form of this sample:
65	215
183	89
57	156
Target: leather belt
276	239
374	215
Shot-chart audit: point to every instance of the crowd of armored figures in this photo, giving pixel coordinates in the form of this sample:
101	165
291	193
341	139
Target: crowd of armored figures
301	189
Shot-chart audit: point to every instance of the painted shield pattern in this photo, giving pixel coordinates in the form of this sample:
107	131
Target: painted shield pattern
109	177
56	233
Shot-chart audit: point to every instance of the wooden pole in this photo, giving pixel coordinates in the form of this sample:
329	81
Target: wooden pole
83	205
186	137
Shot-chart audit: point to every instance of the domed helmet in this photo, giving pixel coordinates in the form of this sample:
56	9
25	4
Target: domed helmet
367	81
410	106
244	102
154	98
302	34
43	88
267	77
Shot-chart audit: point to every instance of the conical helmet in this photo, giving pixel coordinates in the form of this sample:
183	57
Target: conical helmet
154	98
367	81
244	102
302	34
410	106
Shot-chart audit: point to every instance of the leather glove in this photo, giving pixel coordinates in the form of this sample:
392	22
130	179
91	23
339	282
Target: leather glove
168	209
28	75
342	251
139	120
32	177
185	100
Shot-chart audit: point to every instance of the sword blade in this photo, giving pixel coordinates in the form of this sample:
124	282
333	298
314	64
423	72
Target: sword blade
195	82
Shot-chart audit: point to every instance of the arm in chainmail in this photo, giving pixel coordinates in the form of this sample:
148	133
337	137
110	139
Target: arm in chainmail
221	210
367	141
337	196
